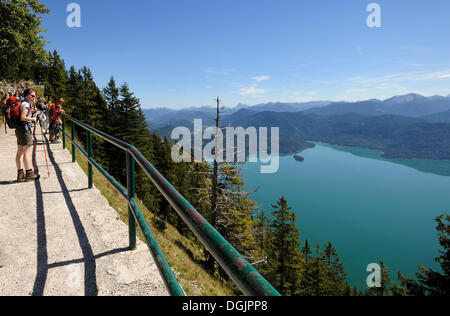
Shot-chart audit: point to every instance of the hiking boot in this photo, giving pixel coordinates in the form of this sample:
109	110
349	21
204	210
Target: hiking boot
32	176
21	177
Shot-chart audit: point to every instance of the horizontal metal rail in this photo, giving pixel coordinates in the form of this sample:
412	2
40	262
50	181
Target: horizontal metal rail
243	274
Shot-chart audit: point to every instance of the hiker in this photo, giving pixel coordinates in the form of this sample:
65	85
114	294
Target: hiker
42	107
55	120
25	139
19	95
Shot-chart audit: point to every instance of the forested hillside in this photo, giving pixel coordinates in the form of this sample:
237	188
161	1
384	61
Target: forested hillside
396	136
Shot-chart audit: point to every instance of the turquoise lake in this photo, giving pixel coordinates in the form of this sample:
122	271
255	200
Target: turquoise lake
369	207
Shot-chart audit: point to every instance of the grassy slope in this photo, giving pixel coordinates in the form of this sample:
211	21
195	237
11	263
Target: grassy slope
180	252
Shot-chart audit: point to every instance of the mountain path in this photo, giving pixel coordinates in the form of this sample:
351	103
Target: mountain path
59	238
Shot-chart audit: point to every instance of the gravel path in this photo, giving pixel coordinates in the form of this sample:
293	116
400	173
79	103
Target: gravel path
59	238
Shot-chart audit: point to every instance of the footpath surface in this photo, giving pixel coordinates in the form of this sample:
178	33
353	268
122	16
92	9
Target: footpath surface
59	238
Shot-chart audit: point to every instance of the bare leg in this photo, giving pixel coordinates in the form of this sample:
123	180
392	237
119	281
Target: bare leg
19	156
27	159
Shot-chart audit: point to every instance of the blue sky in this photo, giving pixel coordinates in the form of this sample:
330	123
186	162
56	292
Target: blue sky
181	53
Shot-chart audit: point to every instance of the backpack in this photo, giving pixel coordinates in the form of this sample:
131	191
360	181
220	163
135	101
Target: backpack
11	112
51	108
55	115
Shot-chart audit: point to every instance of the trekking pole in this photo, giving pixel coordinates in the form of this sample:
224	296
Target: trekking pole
45	149
34	147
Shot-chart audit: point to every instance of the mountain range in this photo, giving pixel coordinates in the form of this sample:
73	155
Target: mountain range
408	126
160	117
413	105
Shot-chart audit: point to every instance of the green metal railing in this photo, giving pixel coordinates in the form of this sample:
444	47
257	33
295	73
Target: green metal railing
243	274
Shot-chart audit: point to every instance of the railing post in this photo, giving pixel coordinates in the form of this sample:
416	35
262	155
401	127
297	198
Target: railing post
64	132
73	141
131	194
89	150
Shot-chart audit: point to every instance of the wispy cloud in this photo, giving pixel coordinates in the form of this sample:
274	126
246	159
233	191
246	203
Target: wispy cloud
252	91
261	78
400	78
223	72
387	79
416	49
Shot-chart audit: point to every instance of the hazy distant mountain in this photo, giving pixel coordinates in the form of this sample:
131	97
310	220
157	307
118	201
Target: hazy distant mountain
416	105
413	105
401	99
397	136
439	117
281	106
408	126
161	117
369	107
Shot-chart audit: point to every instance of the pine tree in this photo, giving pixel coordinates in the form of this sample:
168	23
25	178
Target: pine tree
261	231
318	272
285	257
307	276
430	282
335	273
74	99
55	78
132	118
230	209
166	166
111	95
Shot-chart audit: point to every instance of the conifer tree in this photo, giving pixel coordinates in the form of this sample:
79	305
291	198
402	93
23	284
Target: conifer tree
55	77
318	275
231	210
113	127
285	255
262	231
335	284
111	95
74	99
307	275
430	282
166	166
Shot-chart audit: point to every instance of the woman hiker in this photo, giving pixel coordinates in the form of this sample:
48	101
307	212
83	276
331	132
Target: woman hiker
24	136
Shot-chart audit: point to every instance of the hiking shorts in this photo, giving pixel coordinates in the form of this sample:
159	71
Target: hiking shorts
54	128
24	137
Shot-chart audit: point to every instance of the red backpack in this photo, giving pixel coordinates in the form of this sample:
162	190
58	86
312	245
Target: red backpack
55	115
11	112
